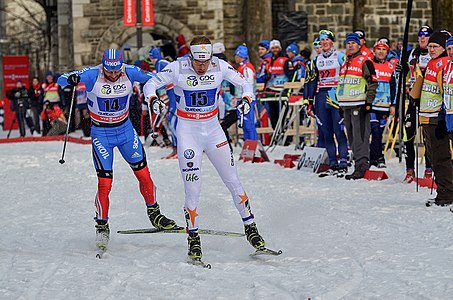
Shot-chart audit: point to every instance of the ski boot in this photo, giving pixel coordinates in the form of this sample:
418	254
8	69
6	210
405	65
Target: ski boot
342	168
102	234
194	243
410	176
158	220
253	236
381	163
428	173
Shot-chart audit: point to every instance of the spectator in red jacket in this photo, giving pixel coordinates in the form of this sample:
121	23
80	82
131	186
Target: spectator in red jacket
53	113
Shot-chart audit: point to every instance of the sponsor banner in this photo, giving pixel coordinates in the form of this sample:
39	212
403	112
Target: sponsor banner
312	158
130	13
147	13
14	68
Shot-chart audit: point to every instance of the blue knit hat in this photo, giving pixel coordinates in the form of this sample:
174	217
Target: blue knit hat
112	60
154	53
353	37
265	44
449	41
293	48
242	51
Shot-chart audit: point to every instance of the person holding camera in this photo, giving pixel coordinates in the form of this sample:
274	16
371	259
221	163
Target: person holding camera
21	104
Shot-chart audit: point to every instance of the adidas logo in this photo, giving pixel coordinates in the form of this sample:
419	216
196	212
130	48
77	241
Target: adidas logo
135	155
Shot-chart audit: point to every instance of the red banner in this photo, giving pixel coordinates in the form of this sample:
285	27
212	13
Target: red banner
129	13
14	68
147	13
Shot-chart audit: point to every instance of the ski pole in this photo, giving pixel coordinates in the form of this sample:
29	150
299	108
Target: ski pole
389	131
393	141
11	127
416	146
153	133
241	120
62	161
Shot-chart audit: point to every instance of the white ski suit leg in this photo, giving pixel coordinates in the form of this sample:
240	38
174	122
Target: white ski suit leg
194	137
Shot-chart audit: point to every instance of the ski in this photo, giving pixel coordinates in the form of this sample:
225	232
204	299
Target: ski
432	202
266	251
198	262
327	173
338	174
181	230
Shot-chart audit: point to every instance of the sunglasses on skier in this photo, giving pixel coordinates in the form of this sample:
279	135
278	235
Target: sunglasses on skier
200	62
424	33
327	32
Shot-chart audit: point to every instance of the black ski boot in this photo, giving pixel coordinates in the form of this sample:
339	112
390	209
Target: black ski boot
253	236
194	243
102	234
159	220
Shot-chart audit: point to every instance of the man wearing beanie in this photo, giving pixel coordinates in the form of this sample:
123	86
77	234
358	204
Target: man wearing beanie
356	92
437	146
384	102
447	106
265	59
444	130
363	48
248	71
322	88
298	62
418	60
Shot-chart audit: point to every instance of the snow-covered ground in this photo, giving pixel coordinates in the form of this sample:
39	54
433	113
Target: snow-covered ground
340	239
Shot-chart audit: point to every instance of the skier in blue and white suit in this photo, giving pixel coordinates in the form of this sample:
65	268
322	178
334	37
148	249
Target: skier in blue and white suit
159	64
197	81
109	87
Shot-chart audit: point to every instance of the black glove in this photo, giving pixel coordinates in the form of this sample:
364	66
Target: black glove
74	79
244	106
341	112
441	129
158	106
416	102
365	109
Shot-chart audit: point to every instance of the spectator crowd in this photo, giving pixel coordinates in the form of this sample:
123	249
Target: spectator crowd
352	95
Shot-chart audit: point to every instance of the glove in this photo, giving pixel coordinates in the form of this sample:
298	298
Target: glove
244	106
441	129
341	112
74	79
308	107
365	109
398	68
157	105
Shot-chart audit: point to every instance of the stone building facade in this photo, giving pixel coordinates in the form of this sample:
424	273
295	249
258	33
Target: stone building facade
98	24
381	17
86	27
